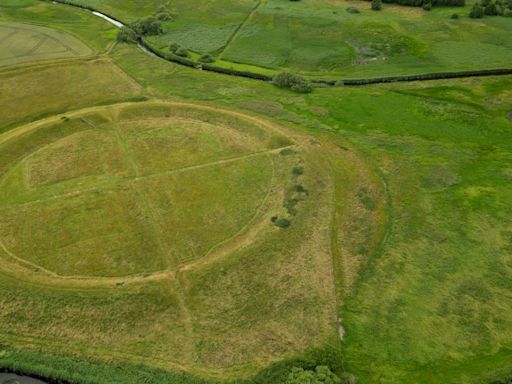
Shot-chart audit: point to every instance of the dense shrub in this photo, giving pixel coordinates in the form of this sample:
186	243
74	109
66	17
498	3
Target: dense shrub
348	378
297	171
321	375
477	11
376	5
427	6
126	35
421	3
282	223
292	81
182	52
148	26
455	16
173	47
353	10
491	9
206	58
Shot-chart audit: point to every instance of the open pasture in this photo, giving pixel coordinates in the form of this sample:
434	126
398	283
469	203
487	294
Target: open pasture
24	43
320	38
35	92
178	205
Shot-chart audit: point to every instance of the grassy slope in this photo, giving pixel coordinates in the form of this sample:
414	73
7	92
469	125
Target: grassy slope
431	304
35	92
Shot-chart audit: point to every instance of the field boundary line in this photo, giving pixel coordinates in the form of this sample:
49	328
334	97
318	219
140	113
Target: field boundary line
239	28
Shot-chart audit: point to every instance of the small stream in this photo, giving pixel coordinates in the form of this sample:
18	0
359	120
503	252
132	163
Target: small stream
118	24
11	378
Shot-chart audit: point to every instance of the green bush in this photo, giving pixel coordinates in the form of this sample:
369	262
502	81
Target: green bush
148	26
376	5
455	16
353	10
126	35
206	58
491	9
427	6
321	375
298	171
477	11
282	223
174	47
292	81
348	378
182	52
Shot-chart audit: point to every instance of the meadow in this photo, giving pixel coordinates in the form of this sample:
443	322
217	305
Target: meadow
162	224
322	40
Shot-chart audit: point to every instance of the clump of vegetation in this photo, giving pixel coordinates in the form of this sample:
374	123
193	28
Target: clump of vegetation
491	9
348	378
353	10
455	16
427	6
297	171
178	50
321	375
206	58
174	47
376	5
148	26
183	52
477	11
282	222
126	35
163	14
292	81
286	151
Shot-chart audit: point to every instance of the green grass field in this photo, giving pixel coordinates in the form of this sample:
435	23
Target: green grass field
21	43
320	38
139	198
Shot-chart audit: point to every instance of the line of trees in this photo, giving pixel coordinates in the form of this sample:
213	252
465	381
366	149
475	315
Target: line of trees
423	3
491	8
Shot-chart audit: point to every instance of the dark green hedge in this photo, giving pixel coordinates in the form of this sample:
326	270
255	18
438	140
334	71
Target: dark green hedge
420	3
426	76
